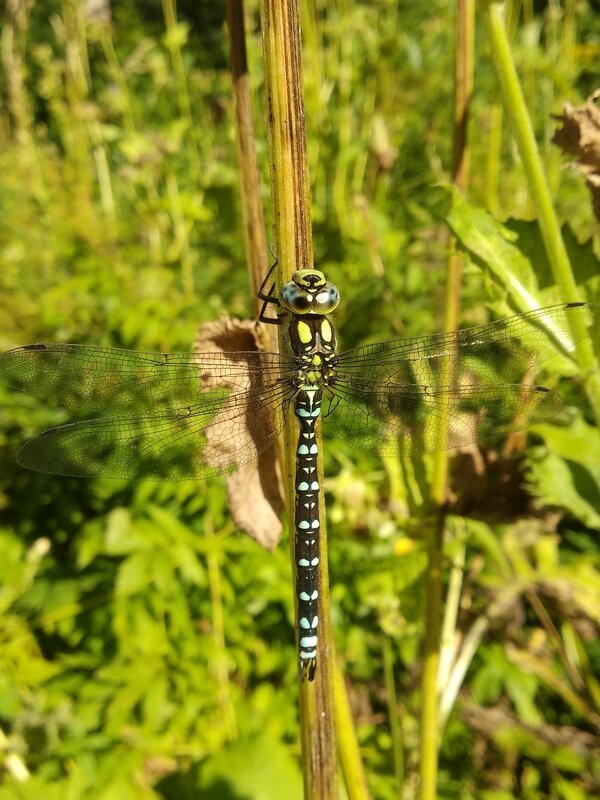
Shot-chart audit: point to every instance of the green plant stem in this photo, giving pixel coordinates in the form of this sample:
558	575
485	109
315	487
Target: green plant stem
181	230
576	648
431	658
533	665
448	643
555	638
183	98
493	17
492	161
395	721
435	543
293	237
352	768
498	608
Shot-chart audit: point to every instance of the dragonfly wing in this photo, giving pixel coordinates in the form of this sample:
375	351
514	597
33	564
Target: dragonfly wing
106	380
193	443
500	351
375	418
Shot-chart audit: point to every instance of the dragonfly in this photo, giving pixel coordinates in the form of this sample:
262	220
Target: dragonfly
170	416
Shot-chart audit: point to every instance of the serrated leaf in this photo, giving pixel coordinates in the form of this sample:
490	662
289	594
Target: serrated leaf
578	442
554	483
491	245
568	474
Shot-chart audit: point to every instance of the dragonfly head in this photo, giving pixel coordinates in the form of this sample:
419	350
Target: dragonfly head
309	292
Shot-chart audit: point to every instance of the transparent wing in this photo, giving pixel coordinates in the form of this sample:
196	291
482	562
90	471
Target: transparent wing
161	416
501	351
194	443
374	419
396	388
109	381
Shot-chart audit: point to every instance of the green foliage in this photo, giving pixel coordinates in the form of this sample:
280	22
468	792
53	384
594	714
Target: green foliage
569	474
146	648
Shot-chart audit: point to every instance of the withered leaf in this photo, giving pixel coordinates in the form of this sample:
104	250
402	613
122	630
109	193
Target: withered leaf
255	492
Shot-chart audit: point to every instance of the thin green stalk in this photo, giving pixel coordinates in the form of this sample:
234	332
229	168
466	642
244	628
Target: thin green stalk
181	229
173	42
291	214
128	120
492	161
554	637
101	162
431	657
545	673
578	655
497	609
568	35
493	17
455	661
448	642
349	750
77	93
19	123
469	645
395	721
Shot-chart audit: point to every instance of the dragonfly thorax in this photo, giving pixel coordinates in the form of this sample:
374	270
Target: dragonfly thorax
309	292
313	341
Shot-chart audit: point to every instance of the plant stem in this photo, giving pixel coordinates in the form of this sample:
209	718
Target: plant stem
492	161
434	578
431	658
352	768
395	721
293	237
448	646
250	194
493	17
185	109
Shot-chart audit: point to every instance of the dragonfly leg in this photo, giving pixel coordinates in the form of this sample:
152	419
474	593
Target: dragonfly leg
268	298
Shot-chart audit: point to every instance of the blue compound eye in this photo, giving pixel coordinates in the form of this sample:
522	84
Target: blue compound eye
326	300
309	293
295	299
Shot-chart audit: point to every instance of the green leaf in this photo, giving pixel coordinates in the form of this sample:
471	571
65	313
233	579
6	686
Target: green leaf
491	245
255	769
567	473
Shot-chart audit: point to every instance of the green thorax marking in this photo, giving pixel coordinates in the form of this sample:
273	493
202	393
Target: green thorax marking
313	343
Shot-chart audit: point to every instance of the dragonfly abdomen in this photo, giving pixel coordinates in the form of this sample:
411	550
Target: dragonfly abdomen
307	409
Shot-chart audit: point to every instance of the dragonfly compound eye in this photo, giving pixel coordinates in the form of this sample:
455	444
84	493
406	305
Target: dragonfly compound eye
327	299
309	293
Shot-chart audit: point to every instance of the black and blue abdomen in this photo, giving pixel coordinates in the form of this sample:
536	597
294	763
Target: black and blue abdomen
307	524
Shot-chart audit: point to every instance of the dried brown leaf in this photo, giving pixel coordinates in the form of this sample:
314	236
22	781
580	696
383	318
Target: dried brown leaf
579	136
255	490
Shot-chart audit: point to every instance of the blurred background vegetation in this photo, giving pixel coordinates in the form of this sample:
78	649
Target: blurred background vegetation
146	646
